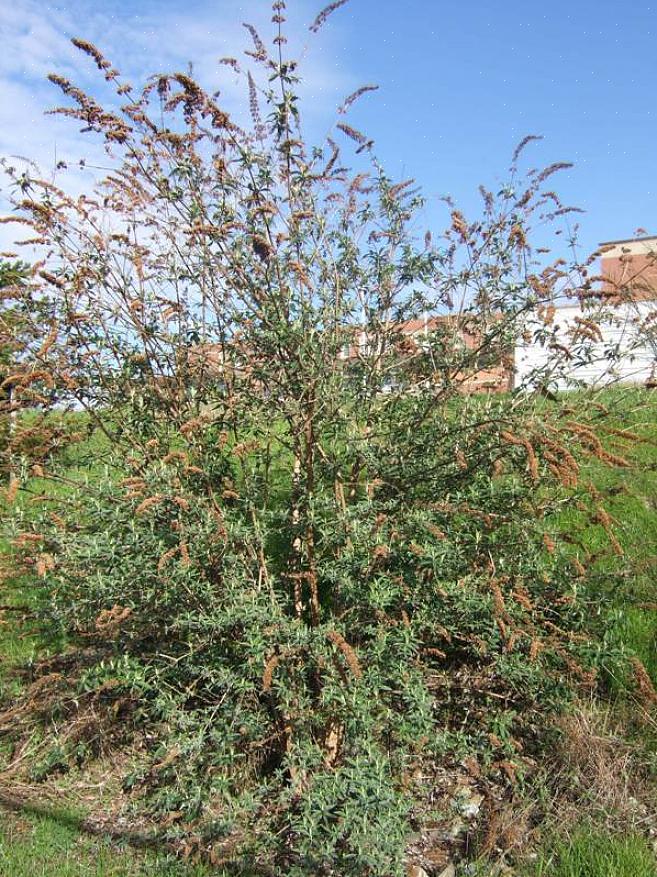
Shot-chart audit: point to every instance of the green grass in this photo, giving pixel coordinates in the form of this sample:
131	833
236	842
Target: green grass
39	846
597	855
20	641
630	497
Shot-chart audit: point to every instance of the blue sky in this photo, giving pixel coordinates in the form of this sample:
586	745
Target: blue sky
460	85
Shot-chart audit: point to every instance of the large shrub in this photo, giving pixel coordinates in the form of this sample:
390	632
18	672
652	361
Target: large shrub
304	560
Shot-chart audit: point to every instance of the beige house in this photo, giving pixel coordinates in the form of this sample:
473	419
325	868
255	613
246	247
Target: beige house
629	268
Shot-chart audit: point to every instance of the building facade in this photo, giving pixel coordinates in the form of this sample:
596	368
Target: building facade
610	339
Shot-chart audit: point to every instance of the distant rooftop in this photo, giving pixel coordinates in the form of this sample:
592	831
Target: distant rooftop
647	237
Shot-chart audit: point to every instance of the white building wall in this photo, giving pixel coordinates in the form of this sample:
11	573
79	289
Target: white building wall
626	353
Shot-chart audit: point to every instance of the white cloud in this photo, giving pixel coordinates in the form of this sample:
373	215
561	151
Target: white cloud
159	36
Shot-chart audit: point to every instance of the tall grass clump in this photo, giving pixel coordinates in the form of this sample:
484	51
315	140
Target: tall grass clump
311	561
